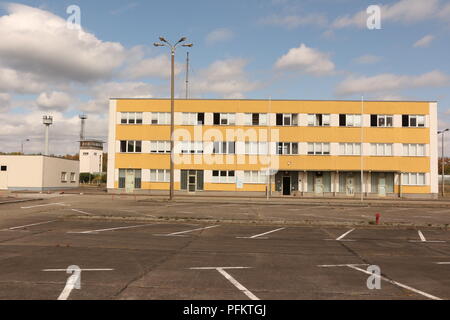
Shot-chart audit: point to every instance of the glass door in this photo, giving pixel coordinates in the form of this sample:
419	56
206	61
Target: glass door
192	181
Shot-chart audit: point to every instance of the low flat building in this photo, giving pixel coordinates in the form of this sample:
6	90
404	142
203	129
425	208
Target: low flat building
38	173
284	147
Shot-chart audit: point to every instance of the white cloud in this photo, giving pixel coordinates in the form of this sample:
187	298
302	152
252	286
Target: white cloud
306	60
404	11
20	82
292	21
226	78
368	59
388	82
424	42
159	67
53	100
5	101
219	35
39	42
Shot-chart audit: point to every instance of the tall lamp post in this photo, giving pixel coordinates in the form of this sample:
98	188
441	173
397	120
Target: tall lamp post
165	43
442	160
23	141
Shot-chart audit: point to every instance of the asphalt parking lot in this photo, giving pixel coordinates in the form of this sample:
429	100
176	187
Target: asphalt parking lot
125	249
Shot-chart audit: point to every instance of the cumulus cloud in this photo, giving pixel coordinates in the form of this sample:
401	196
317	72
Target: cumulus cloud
5	101
388	82
306	60
403	11
368	59
424	42
219	35
159	67
54	100
226	78
20	82
39	42
292	21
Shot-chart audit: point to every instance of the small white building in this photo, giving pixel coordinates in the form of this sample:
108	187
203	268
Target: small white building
91	156
38	173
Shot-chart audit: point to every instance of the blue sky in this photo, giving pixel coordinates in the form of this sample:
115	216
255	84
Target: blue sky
284	49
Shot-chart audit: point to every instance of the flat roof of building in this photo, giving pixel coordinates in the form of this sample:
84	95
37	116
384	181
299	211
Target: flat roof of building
299	100
36	155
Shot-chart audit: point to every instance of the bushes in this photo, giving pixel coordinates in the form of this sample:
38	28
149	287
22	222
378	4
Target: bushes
92	178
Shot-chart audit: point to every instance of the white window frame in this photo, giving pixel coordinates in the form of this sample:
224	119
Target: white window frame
262	121
63	177
313	120
409	148
221	147
155	175
291	117
159	147
382	149
160	118
413	179
385	117
128	142
319	148
417	117
229	177
226	119
353	120
350	149
255	177
191	147
256	148
287	146
135	116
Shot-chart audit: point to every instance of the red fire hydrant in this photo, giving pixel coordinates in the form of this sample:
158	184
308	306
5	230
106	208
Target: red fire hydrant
378	216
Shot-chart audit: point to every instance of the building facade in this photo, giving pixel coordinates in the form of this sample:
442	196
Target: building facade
38	173
285	148
91	156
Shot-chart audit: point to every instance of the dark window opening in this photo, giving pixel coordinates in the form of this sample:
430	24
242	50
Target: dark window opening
405	121
373	120
4	168
279	119
217	119
255	119
201	118
342	120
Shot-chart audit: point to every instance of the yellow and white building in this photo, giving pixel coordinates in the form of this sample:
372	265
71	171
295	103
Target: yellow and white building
291	148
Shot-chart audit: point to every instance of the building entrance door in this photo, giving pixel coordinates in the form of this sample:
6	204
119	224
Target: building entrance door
350	186
129	181
286	186
318	185
382	185
192	181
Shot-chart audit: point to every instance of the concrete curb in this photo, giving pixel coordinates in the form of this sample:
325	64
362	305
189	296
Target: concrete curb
20	201
301	223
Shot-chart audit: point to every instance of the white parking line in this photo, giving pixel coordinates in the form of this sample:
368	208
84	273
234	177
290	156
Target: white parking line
423	239
344	235
260	235
46	205
355	267
183	232
236	283
111	229
29	225
79	211
442	262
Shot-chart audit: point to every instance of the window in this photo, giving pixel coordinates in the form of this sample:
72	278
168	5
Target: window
161	118
224	119
256	148
413	179
159	146
413	121
255	177
191	147
381	120
131	118
287	148
3	168
413	150
159	175
318	148
318	120
223	177
224	147
72	177
255	119
64	177
289	119
193	119
131	146
85	153
350	149
349	120
381	149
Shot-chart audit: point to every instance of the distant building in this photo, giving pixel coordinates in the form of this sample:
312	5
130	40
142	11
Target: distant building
38	173
91	156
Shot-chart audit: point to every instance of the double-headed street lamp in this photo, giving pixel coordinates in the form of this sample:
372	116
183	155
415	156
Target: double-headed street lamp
165	43
443	162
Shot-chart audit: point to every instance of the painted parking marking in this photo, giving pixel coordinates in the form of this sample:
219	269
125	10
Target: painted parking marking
341	237
258	236
442	262
74	281
46	205
28	225
80	211
423	239
233	281
182	233
401	285
112	229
